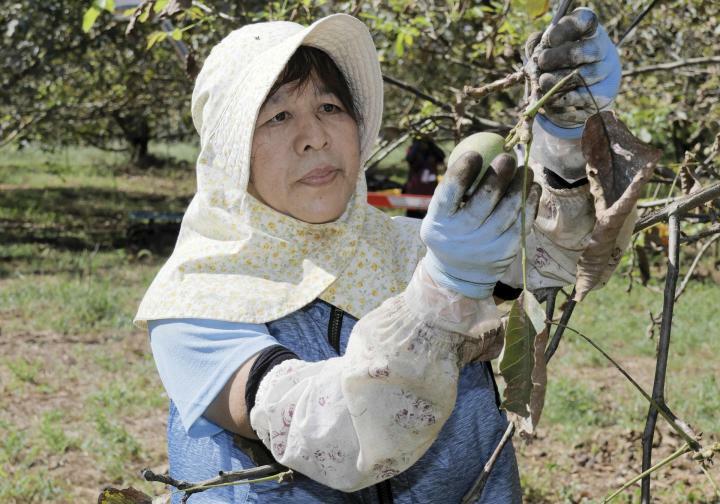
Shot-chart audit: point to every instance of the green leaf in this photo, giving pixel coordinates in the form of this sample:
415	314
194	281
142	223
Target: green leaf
160	5
155	37
399	45
145	15
89	18
537	8
523	365
177	34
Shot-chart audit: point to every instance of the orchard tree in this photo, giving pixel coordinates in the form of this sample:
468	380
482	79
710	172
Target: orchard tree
63	86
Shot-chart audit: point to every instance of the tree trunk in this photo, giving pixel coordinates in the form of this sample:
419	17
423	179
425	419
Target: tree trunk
140	156
136	130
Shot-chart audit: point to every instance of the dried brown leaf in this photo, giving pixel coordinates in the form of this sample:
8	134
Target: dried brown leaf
140	14
618	166
175	6
688	183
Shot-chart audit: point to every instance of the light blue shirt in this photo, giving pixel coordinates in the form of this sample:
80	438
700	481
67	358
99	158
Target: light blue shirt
195	359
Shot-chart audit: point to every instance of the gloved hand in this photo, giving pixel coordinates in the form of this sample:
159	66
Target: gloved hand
577	41
472	240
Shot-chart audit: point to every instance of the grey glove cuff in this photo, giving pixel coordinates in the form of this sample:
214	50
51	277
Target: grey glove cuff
563	156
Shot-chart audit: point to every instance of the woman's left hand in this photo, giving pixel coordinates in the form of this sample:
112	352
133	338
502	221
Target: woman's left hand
576	42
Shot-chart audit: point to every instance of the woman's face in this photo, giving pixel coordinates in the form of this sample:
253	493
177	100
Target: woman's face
305	154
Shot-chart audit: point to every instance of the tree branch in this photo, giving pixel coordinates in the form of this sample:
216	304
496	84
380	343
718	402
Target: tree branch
274	471
671	65
505	82
636	21
479	484
487	123
658	393
679	207
564	319
694	264
702	234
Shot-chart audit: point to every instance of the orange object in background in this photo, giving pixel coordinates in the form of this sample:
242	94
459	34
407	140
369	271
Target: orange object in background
393	199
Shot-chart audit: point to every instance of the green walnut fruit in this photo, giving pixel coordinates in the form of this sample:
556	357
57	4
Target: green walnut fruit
488	145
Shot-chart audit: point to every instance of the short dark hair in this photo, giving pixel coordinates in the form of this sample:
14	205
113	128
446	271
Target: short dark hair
308	61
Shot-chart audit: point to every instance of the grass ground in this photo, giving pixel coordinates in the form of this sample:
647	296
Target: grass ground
81	405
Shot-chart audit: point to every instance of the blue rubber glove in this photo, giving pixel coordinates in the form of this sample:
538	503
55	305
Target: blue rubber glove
577	41
471	240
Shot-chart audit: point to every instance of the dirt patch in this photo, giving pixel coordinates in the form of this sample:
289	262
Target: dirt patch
61	376
556	470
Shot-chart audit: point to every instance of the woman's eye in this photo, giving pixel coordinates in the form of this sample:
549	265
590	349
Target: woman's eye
279	117
330	107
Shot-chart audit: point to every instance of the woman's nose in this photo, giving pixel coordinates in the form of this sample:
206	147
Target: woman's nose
312	134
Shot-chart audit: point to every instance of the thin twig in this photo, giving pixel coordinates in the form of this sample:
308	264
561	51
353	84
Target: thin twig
564	319
646	474
271	470
531	111
635	22
487	123
477	488
550	307
694	264
505	82
709	477
715	229
678	425
658	392
671	65
658	202
679	207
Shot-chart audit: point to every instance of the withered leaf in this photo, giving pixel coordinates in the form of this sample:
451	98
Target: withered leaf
140	14
192	69
175	6
618	166
688	183
523	363
129	495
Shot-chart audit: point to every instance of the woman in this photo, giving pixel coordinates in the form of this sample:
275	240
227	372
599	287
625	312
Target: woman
354	346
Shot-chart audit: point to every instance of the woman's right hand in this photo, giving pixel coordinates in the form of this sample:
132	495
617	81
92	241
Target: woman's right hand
472	239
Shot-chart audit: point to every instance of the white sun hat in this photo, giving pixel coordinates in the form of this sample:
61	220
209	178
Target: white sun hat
239	260
241	69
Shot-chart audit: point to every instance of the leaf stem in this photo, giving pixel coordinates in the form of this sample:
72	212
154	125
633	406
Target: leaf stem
679	452
523	216
712	480
533	110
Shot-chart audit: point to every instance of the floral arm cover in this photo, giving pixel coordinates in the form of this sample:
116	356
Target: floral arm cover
352	421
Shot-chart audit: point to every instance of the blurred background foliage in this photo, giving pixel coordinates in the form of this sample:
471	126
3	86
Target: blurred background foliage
113	74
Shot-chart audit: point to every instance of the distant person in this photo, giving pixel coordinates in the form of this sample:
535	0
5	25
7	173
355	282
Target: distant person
423	158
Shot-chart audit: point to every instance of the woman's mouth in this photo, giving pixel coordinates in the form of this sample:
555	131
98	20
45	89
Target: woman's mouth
320	176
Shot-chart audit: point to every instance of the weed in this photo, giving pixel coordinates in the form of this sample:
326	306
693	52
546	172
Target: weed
25	370
116	448
55	438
